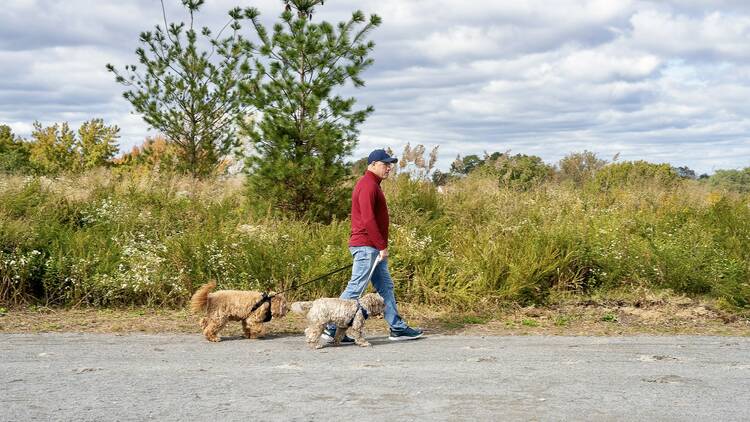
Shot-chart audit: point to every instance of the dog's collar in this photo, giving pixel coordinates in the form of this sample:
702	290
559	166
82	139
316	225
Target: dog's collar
365	314
266	298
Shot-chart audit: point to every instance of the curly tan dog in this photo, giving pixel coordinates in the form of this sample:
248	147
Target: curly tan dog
345	313
235	305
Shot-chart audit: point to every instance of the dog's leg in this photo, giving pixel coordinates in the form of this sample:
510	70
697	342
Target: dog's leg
213	326
246	329
253	329
340	333
358	332
313	333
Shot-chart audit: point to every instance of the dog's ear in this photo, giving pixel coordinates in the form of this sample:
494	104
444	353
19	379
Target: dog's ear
278	305
374	303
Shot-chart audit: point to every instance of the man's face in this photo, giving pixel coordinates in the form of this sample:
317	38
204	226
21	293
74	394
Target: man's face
381	169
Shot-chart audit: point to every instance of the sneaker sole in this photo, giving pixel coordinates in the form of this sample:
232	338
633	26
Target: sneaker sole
328	341
404	338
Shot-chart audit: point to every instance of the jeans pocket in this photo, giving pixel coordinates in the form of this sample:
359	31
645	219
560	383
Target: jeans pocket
363	253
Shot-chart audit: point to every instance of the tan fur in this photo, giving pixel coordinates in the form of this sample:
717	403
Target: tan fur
340	312
200	297
300	307
234	305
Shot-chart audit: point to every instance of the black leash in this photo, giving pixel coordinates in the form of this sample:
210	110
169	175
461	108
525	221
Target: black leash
315	279
266	297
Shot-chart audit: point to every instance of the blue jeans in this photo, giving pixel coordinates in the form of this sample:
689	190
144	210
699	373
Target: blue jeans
364	257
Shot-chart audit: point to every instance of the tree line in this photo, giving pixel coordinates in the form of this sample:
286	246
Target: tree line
523	171
268	96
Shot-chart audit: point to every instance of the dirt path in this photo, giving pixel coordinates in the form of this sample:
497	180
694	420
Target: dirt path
599	319
183	377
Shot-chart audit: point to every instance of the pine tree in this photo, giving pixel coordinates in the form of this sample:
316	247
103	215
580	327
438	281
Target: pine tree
305	131
189	94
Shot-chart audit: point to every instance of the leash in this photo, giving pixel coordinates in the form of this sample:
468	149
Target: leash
267	297
315	279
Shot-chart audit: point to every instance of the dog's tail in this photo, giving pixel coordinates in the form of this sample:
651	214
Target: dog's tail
200	298
300	307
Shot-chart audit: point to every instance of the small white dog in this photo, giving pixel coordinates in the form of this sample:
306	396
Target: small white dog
345	313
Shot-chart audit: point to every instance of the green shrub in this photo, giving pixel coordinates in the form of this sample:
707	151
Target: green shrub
579	168
736	180
518	171
14	153
632	174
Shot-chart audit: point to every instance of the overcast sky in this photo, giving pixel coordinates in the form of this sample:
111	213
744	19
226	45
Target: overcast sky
663	81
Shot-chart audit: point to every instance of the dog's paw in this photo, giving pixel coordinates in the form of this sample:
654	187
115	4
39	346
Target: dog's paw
214	339
364	344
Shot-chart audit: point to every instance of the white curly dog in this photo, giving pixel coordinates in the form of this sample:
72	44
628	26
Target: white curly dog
347	314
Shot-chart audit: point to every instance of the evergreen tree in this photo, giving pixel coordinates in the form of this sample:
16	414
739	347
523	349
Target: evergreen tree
306	130
186	92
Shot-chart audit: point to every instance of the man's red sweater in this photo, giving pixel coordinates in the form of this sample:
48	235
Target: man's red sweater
369	213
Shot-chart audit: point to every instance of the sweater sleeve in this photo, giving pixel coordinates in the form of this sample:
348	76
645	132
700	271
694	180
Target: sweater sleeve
367	211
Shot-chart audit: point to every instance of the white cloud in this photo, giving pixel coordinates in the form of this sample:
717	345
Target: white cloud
716	34
654	80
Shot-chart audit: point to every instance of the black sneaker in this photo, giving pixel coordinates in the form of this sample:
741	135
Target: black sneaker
407	333
329	334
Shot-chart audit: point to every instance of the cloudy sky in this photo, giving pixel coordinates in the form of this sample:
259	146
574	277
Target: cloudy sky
664	81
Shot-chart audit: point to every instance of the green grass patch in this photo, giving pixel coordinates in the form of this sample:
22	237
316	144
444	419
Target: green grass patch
526	322
562	321
609	317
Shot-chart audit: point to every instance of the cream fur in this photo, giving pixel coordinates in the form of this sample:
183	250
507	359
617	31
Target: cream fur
340	312
234	305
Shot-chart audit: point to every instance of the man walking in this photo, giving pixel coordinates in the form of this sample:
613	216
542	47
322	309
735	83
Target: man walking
368	242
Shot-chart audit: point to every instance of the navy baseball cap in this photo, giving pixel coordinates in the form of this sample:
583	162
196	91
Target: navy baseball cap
380	155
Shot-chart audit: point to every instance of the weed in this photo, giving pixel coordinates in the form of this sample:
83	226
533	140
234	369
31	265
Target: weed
52	326
474	320
562	321
529	323
451	324
609	317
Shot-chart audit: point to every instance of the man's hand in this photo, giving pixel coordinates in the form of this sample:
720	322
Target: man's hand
383	254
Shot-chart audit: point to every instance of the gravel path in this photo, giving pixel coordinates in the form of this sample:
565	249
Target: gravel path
182	377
